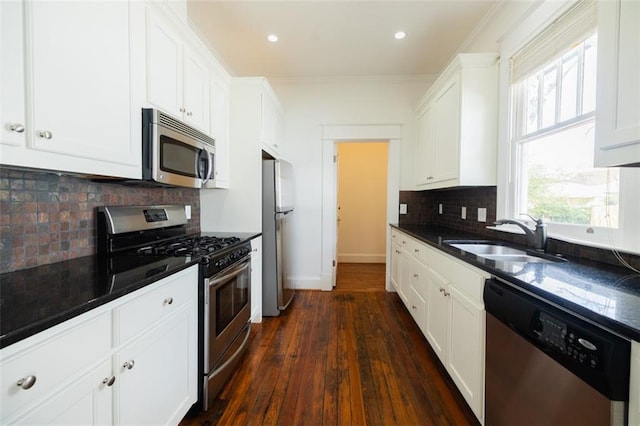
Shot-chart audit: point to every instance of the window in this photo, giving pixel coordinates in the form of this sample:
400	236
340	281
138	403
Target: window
546	170
553	142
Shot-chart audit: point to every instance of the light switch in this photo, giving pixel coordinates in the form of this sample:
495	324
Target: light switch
403	209
482	214
463	213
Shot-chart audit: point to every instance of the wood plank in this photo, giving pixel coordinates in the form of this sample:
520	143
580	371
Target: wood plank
339	358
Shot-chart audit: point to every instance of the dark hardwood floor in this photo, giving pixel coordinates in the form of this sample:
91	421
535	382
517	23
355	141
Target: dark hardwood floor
360	277
338	358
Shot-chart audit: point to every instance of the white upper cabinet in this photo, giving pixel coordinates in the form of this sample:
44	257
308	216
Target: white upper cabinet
74	107
457	125
220	128
272	123
617	141
177	69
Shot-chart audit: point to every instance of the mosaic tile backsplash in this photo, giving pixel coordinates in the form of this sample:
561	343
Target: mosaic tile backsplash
422	209
46	218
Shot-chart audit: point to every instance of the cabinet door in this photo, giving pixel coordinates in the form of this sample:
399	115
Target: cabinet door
405	276
618	98
79	79
438	314
466	349
12	95
425	160
219	131
256	279
396	274
86	401
447	132
164	63
418	293
156	379
196	91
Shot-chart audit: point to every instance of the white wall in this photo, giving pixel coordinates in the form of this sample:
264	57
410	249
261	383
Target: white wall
310	104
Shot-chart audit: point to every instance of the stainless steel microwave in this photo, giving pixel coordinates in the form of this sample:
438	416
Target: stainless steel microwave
174	153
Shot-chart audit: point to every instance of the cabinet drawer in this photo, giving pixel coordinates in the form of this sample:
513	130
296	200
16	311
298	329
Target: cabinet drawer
467	280
53	357
150	305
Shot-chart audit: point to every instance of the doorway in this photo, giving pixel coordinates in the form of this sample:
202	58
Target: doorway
361	214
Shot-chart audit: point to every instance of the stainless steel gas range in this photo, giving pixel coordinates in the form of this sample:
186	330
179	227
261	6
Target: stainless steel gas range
158	232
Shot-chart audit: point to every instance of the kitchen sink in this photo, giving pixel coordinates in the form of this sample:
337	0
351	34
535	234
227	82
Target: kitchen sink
499	253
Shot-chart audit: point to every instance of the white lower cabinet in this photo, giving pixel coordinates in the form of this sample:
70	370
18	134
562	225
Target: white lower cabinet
82	371
445	299
634	385
256	279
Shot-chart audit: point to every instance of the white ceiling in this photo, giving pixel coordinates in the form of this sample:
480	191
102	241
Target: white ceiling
320	38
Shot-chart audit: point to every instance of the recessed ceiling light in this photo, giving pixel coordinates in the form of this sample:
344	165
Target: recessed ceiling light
400	35
272	38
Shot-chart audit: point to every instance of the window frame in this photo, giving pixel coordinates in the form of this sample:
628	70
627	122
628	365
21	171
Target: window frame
625	237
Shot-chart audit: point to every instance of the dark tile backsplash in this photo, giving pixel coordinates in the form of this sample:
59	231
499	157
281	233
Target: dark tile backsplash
422	209
46	218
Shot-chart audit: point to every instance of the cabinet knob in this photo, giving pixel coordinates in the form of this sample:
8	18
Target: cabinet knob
441	290
416	250
109	381
16	127
182	109
168	301
129	364
446	293
45	134
27	382
189	114
429	177
415	275
414	307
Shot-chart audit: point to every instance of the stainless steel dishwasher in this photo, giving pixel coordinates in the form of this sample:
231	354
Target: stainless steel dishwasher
547	366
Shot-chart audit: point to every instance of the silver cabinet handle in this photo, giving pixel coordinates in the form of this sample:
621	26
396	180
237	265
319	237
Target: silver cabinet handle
415	275
416	251
129	364
27	382
189	114
16	127
446	293
45	134
109	381
182	109
441	290
414	307
429	177
168	301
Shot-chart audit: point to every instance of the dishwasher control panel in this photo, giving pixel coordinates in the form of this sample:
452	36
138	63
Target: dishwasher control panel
559	336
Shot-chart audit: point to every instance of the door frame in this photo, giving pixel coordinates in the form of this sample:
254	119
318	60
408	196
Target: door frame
331	135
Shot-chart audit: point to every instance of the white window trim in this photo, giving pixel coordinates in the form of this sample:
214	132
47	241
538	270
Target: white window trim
628	240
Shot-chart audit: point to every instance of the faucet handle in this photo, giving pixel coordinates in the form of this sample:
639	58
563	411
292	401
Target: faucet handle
538	222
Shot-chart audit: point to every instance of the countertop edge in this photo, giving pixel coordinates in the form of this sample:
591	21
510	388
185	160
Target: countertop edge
603	321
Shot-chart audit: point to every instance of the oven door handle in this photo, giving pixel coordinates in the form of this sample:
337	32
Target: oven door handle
233	272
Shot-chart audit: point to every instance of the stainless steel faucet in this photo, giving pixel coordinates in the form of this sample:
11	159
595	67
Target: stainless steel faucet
537	237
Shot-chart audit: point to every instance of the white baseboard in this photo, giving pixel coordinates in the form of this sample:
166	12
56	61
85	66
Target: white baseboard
305	283
362	258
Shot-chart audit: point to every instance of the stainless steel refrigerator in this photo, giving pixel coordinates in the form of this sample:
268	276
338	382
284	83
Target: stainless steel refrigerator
277	209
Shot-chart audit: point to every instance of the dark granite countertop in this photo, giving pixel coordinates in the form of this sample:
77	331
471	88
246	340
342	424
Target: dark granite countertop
605	294
34	299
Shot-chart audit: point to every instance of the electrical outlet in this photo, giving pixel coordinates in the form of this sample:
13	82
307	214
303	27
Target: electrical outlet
440	208
463	213
482	214
403	209
187	211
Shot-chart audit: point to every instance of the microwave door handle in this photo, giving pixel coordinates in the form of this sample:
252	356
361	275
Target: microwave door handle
209	171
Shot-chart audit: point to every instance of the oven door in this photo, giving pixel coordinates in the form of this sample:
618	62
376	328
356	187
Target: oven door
227	311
